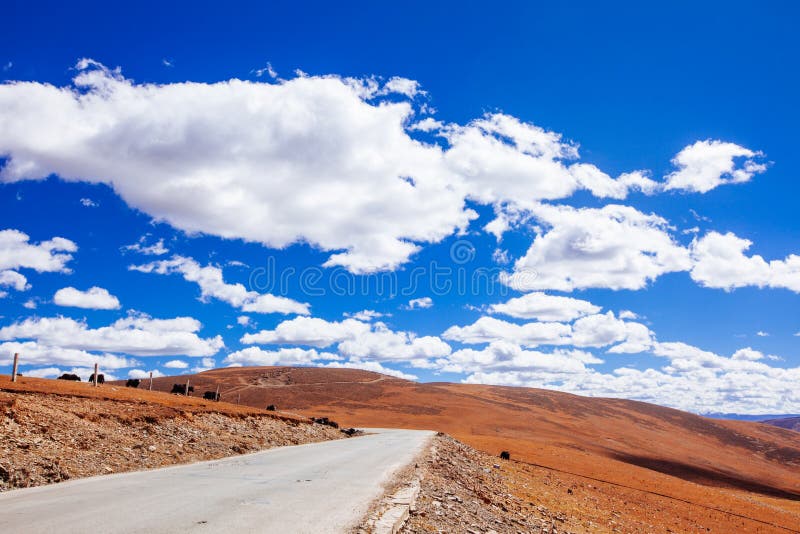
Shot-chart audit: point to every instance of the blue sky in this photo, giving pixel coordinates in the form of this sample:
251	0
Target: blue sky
622	155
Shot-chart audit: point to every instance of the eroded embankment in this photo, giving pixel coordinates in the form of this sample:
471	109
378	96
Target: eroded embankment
46	438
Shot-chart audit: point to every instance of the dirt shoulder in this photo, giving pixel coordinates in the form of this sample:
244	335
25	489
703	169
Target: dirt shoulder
51	431
464	490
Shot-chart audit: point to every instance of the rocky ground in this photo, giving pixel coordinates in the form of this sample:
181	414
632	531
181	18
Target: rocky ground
46	438
464	490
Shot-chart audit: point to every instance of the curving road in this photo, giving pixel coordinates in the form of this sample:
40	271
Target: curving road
314	488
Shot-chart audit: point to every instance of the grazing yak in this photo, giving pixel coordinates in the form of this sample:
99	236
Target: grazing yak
132	383
505	455
180	389
211	395
67	376
325	421
272	408
101	378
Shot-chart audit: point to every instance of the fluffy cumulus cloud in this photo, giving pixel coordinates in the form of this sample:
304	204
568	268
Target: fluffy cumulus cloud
357	341
16	251
94	298
325	160
137	335
310	331
615	247
706	165
489	329
597	330
14	280
720	261
212	285
544	307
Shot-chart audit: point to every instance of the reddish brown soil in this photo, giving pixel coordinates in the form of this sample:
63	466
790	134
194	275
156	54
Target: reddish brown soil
630	466
52	430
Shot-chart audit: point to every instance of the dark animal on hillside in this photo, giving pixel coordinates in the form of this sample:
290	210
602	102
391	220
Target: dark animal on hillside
505	455
132	383
325	421
351	431
180	389
211	395
101	379
67	376
271	408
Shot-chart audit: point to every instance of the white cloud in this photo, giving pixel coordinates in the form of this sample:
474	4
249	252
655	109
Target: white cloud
381	343
627	314
598	330
502	356
156	249
282	356
544	307
243	320
95	298
212	285
141	373
719	261
420	303
176	364
402	86
323	160
48	256
89	203
761	333
30	304
310	331
14	280
38	353
489	329
709	164
267	69
615	247
367	315
136	335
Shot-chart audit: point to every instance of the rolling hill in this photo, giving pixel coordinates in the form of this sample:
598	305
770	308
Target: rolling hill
672	468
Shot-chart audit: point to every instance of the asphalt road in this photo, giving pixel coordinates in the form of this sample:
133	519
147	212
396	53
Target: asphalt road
314	488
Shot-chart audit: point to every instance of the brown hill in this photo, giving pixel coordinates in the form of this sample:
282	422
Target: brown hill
789	423
643	466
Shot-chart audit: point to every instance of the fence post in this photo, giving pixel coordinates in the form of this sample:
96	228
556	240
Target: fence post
14	369
216	397
187	387
96	370
151	380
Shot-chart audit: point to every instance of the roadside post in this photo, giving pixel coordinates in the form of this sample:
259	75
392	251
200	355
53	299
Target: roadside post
14	369
96	369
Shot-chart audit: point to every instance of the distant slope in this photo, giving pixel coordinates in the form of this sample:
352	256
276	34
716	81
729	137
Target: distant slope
789	423
743	467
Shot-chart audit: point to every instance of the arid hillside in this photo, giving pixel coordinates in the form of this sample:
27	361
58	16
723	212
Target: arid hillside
54	430
789	423
620	464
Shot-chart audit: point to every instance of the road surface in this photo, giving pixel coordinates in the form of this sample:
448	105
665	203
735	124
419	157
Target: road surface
314	488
